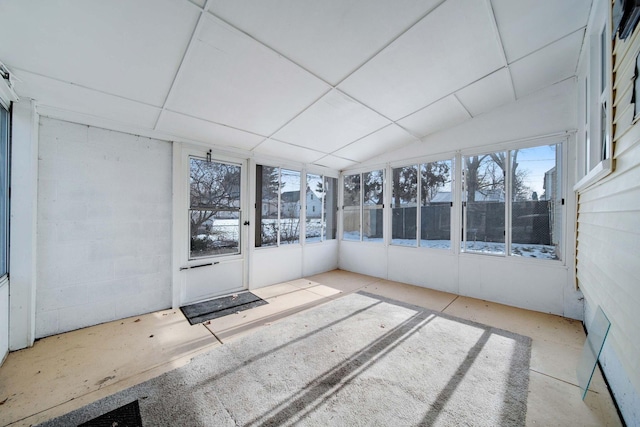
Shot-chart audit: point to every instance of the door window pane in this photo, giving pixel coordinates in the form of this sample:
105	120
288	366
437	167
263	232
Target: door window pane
404	202
289	206
351	208
536	213
372	220
214	212
435	209
484	196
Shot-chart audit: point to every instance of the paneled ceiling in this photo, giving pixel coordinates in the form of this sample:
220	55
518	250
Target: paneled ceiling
332	83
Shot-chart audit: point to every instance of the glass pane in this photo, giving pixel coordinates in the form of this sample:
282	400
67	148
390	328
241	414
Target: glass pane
351	209
269	189
536	212
214	185
330	208
352	190
372	219
289	206
435	209
598	331
315	199
351	223
485	203
4	193
404	201
214	233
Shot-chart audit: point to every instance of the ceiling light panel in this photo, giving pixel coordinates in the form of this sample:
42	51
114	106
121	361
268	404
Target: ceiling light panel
231	79
440	115
451	47
207	132
380	142
330	38
111	46
547	66
528	25
488	93
331	123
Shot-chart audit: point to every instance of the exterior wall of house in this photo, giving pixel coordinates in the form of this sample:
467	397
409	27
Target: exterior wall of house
608	240
104	226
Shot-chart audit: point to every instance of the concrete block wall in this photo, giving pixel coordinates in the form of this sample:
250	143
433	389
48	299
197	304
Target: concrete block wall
104	226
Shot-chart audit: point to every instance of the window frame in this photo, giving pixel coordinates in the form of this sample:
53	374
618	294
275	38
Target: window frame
6	171
595	147
508	148
361	205
324	212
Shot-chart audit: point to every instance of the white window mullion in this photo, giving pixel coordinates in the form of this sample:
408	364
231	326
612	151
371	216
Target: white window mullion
508	186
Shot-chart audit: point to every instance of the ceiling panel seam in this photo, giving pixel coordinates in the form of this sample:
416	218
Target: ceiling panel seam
169	110
548	44
185	56
137	101
494	21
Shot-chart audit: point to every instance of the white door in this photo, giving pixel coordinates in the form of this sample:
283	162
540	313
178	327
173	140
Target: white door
210	225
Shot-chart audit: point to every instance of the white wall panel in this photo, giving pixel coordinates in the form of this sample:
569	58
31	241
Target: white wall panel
431	269
320	257
364	258
104	217
274	265
527	284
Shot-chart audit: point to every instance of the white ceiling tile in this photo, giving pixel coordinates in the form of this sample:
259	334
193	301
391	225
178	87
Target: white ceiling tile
73	98
487	93
112	46
382	141
547	66
204	131
284	150
445	113
453	46
528	25
335	163
331	123
230	78
330	38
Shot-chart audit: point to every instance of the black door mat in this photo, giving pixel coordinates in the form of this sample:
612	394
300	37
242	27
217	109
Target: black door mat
212	309
125	416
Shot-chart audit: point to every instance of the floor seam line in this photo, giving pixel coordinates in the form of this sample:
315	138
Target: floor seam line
454	300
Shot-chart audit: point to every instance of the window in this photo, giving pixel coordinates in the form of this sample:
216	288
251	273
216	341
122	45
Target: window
214	208
351	207
484	203
429	226
277	206
4	191
512	202
321	208
596	149
363	203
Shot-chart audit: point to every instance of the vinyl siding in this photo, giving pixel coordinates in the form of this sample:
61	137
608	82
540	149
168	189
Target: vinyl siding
608	226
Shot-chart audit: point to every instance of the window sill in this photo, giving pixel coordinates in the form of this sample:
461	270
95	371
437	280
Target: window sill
600	171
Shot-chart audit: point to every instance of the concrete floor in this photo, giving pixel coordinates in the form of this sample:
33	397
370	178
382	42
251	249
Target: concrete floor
65	372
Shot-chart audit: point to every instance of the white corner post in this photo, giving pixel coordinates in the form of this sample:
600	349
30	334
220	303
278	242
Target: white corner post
23	225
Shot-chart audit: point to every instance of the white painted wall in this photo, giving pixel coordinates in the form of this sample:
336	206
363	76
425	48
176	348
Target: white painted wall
319	257
104	226
23	224
364	258
275	265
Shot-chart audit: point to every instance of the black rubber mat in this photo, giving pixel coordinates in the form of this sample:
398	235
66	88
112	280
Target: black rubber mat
125	416
212	309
